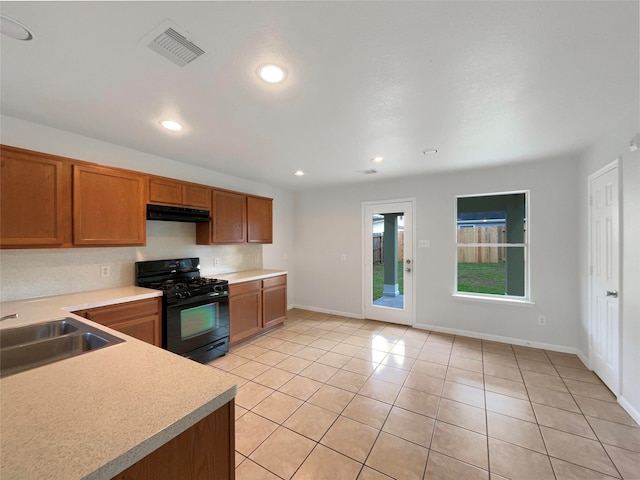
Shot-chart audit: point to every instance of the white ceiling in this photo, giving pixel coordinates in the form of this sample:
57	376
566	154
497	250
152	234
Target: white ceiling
484	82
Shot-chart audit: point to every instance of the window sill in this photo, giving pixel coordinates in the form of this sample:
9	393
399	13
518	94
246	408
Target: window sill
488	299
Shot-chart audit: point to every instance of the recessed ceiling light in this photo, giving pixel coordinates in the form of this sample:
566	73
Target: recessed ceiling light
429	151
377	159
299	173
12	28
272	73
171	125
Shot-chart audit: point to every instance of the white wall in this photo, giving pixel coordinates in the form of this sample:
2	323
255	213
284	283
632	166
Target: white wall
31	273
329	224
613	145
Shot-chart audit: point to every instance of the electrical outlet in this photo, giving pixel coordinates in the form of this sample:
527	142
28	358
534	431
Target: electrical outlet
105	271
216	261
343	257
542	320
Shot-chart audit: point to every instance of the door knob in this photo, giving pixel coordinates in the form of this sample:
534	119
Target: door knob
612	293
408	270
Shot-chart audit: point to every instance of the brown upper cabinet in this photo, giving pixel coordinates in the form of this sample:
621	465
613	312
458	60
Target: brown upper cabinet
108	206
34	189
237	218
174	192
229	225
259	219
49	201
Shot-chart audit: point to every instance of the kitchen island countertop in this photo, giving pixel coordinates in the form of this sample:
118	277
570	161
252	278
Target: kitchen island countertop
94	415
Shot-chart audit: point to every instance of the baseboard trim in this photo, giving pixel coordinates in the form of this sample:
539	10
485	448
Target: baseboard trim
498	338
456	331
584	358
329	312
630	409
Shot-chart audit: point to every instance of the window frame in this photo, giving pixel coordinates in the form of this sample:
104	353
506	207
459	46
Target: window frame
526	245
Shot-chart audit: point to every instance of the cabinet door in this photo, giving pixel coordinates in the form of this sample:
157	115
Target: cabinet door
32	203
274	301
259	220
229	217
162	190
141	328
245	310
108	206
197	196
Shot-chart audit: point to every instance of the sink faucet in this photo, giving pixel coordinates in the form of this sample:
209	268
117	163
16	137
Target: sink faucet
7	317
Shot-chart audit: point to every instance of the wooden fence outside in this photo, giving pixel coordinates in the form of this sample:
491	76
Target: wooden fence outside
378	247
479	254
475	254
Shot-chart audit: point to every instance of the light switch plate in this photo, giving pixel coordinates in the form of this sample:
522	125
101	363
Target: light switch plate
424	243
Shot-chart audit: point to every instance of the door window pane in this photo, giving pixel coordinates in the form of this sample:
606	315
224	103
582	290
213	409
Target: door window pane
388	256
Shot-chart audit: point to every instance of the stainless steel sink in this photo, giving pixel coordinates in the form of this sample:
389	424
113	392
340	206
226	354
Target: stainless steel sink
24	348
30	333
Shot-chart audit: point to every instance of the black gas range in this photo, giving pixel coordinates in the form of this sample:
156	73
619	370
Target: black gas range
195	308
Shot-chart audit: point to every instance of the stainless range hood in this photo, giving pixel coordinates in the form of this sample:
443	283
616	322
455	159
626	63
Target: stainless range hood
177	214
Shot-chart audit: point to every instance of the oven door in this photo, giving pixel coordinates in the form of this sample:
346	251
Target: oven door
192	323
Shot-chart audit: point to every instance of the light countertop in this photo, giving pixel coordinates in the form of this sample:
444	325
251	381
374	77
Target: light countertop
247	275
36	310
94	415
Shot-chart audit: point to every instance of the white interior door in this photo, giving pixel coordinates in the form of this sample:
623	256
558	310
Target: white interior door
388	261
604	255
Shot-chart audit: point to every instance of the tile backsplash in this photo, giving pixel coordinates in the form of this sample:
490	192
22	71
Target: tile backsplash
42	272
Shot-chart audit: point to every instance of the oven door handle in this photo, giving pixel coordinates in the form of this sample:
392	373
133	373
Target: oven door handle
199	300
217	294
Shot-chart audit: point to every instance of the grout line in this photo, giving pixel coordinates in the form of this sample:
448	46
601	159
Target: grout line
396	337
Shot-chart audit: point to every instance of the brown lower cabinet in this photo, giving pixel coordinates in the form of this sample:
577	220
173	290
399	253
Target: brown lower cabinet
256	306
141	319
206	451
274	301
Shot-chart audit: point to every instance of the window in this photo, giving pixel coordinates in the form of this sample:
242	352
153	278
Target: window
492	245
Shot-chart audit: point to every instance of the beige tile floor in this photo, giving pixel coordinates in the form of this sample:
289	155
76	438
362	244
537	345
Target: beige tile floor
327	397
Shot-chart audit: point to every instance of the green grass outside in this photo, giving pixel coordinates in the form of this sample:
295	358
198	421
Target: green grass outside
482	278
472	277
378	280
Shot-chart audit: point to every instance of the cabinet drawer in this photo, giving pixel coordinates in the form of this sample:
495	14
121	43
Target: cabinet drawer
274	281
245	287
113	314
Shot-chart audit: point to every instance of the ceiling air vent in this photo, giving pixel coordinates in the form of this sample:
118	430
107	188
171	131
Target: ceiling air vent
370	171
174	46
